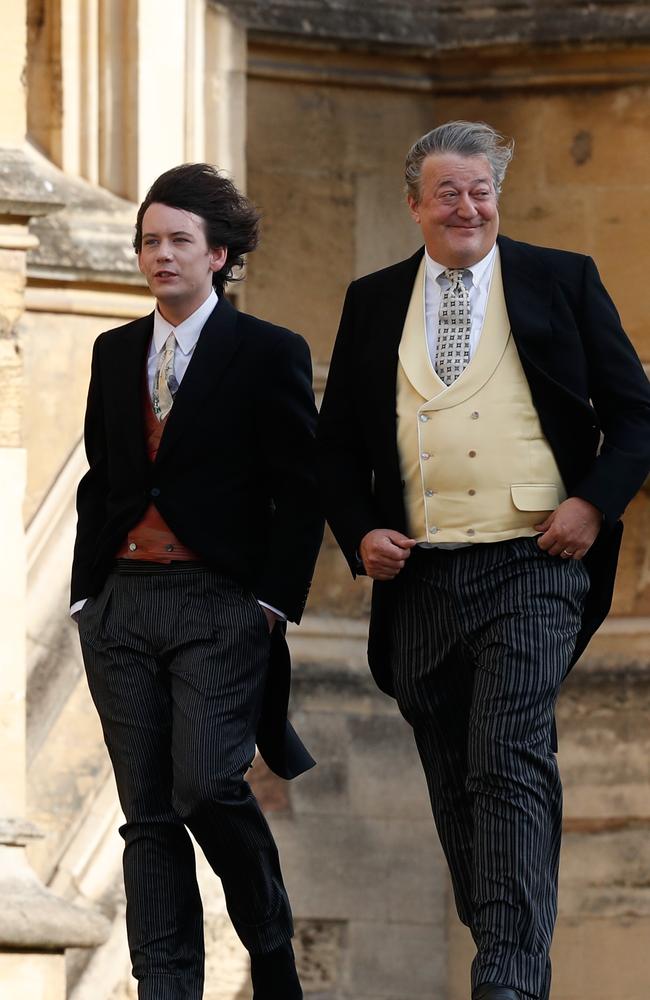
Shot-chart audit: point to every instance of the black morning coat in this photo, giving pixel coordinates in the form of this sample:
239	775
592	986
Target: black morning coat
234	477
587	385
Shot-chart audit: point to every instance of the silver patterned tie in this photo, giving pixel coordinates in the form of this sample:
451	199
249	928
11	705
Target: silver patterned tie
164	380
454	327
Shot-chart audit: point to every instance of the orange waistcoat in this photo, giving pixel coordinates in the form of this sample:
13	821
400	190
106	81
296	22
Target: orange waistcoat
151	539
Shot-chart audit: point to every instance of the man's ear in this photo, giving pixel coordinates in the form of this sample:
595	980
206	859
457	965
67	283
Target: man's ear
414	208
217	257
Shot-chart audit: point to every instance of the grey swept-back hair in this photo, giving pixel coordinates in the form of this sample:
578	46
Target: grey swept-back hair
465	139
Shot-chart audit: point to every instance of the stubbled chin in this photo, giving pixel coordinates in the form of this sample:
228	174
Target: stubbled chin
466	241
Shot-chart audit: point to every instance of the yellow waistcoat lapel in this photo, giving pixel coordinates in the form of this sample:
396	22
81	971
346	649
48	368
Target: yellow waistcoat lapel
414	352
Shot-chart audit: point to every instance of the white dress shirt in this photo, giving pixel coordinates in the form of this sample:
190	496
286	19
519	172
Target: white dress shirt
187	335
480	276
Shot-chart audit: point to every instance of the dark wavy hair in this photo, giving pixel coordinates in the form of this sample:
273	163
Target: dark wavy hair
231	220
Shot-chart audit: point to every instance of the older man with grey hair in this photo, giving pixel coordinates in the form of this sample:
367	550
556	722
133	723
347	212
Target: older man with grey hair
485	423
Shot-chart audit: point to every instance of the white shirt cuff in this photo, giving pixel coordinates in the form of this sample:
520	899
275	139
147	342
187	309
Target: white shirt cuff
77	606
281	615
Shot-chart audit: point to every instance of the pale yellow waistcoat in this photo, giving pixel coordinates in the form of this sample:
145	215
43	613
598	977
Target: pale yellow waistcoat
475	463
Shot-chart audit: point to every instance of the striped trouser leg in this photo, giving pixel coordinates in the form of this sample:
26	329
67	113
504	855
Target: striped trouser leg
433	683
483	637
176	661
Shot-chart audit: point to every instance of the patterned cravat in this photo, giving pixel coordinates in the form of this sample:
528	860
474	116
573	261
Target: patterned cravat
165	385
454	328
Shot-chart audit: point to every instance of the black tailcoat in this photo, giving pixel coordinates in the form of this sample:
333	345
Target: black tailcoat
234	476
587	385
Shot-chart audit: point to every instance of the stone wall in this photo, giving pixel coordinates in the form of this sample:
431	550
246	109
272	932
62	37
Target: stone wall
331	189
437	25
364	870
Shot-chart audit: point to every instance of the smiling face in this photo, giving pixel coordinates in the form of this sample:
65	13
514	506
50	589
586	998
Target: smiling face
176	260
456	208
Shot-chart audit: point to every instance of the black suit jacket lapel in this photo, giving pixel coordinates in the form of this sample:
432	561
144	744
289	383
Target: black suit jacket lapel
126	375
216	346
528	287
528	290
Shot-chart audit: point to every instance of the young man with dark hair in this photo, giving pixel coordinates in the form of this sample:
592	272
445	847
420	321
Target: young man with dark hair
198	529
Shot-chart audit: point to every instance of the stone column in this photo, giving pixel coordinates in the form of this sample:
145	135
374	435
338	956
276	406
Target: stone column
225	92
35	926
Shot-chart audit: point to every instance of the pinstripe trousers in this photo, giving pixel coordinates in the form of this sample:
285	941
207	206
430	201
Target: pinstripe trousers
482	638
176	660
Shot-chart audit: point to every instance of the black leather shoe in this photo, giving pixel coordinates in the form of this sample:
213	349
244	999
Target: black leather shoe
274	975
492	991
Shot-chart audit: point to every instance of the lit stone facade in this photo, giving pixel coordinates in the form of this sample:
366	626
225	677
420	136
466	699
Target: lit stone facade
311	106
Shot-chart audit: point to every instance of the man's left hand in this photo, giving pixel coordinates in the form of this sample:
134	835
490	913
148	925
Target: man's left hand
571	529
270	617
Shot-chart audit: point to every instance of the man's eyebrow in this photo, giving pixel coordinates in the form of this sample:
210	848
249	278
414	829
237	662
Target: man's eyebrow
453	183
178	232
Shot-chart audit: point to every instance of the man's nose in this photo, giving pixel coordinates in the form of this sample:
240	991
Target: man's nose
164	251
466	206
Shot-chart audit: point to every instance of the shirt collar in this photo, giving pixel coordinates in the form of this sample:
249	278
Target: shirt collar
187	332
478	271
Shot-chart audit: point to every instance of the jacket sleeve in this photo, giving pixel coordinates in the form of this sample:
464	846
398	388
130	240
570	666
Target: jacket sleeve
620	393
345	468
287	433
92	490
